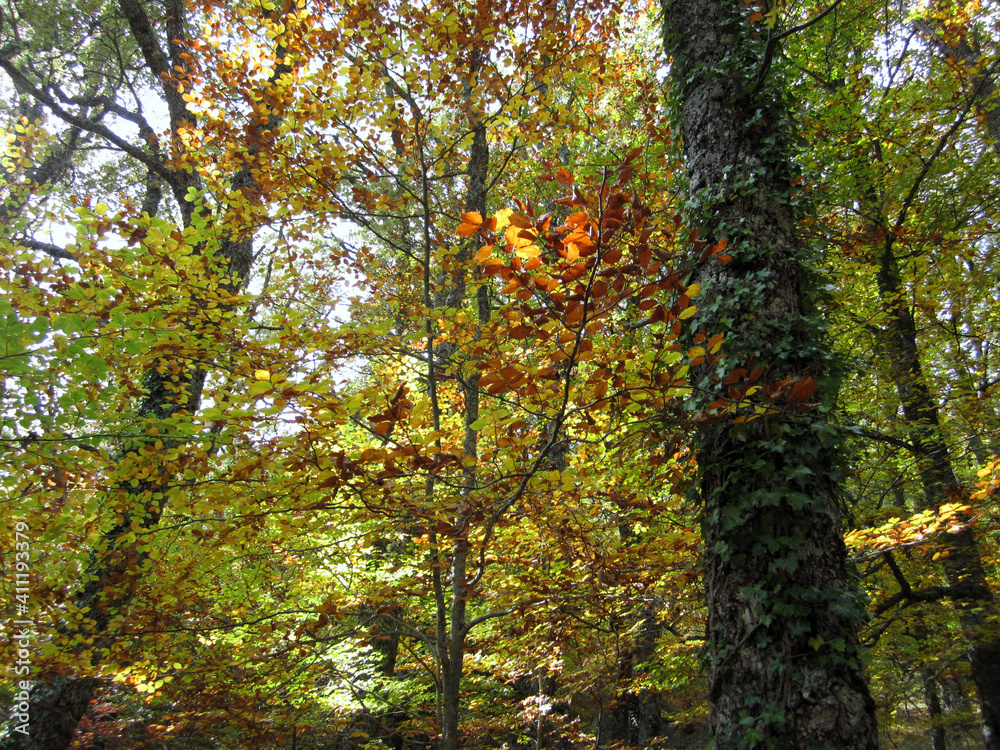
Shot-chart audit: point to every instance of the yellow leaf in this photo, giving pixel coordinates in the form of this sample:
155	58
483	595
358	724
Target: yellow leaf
262	374
520	237
693	291
503	217
687	312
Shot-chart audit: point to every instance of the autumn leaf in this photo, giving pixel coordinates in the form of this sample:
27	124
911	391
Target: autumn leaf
471	222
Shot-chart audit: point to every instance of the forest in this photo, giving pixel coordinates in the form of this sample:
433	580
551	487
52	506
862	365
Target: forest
500	374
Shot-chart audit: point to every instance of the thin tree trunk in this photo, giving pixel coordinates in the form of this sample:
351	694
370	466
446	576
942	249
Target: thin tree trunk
964	566
932	697
452	650
784	665
454	647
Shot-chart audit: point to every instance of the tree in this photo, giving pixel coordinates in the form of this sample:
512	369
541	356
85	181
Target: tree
434	479
205	261
783	660
890	218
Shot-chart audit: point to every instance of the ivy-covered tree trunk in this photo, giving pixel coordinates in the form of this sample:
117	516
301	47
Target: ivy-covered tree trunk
783	658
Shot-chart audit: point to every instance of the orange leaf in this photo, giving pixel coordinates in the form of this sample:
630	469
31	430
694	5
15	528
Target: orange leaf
471	222
519	237
493	265
734	376
521	222
564	176
706	251
483	253
803	389
519	331
512	286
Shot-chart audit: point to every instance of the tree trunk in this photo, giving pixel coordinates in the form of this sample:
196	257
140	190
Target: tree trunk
56	703
964	566
956	48
452	651
932	697
638	713
55	708
451	648
783	658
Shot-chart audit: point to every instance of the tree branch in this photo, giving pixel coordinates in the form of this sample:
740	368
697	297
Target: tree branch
84	124
49	249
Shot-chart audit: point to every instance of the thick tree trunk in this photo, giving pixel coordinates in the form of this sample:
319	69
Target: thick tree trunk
783	658
55	708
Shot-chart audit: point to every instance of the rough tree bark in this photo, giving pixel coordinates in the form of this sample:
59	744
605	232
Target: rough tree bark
783	659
